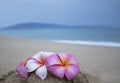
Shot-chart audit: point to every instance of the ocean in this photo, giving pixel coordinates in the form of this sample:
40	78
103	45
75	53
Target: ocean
86	36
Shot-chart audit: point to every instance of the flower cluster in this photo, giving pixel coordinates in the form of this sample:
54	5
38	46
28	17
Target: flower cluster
59	65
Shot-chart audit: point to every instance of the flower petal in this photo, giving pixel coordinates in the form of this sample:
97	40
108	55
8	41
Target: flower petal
27	60
65	57
32	65
41	72
71	71
58	71
38	56
47	54
72	60
42	56
53	60
22	71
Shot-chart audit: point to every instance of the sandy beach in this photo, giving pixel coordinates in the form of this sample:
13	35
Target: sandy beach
101	64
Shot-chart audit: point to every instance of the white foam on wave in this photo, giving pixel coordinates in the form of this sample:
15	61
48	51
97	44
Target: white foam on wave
93	43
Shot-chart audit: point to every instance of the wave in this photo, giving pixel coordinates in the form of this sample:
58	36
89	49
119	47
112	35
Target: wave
93	43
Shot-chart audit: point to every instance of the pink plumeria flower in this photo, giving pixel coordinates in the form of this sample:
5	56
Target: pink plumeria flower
37	64
62	65
22	70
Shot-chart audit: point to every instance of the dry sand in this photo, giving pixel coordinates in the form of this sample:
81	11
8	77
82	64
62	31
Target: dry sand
101	64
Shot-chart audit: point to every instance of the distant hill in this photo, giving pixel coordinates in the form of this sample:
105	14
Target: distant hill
47	25
32	26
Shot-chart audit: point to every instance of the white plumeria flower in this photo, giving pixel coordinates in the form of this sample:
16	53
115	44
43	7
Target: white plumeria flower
37	64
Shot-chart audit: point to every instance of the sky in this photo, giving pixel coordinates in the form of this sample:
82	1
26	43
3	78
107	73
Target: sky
64	12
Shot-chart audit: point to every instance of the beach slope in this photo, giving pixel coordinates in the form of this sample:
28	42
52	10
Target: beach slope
100	64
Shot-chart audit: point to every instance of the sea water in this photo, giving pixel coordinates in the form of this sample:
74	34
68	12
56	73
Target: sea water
85	36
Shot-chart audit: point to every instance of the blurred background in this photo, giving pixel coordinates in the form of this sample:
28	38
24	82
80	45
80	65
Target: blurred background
69	21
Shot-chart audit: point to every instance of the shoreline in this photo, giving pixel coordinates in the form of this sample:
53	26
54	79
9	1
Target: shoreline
101	64
89	43
75	42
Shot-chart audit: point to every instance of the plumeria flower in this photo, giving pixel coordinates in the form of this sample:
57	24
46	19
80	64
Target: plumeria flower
22	69
37	64
62	65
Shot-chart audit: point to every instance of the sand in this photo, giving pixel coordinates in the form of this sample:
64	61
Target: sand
12	77
100	64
